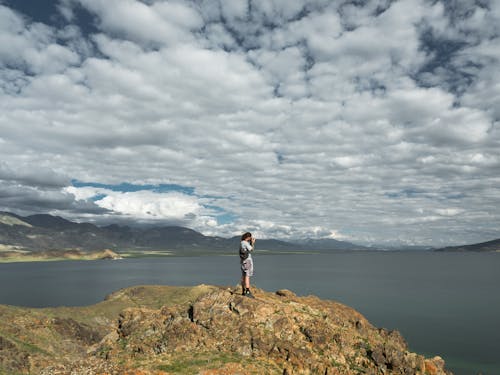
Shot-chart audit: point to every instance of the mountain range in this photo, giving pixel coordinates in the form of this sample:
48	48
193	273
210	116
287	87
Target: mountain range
44	232
489	246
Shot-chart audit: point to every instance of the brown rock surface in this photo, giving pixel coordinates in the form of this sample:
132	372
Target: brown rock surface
215	330
275	333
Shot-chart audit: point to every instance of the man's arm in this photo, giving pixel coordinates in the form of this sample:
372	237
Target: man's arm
248	247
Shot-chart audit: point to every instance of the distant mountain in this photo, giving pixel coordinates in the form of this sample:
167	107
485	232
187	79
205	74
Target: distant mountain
7	218
50	222
46	232
489	246
404	247
270	244
329	244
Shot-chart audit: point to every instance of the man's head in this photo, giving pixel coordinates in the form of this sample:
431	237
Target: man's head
246	237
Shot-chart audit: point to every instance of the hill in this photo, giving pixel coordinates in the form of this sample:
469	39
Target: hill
203	330
15	255
46	232
489	246
328	244
11	220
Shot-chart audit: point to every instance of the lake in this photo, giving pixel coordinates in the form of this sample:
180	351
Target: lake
445	304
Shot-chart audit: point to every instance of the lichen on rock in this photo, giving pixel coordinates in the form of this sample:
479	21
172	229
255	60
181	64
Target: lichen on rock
281	332
204	330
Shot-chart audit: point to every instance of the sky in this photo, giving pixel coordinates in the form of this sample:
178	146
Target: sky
375	122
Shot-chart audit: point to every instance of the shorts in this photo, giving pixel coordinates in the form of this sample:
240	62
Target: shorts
247	267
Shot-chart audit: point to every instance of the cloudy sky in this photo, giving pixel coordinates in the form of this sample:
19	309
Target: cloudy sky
366	121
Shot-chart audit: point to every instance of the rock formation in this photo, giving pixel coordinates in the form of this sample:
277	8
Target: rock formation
215	330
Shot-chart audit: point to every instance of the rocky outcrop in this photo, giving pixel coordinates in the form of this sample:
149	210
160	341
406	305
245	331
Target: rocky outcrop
204	330
274	333
109	254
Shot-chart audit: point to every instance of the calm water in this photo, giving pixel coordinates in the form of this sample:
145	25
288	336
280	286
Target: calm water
444	304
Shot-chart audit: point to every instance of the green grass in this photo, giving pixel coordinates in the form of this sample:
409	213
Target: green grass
103	351
9	372
25	346
193	365
337	364
17	259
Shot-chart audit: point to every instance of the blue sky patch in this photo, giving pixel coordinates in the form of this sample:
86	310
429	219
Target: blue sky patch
125	187
98	197
46	11
226	218
406	193
222	216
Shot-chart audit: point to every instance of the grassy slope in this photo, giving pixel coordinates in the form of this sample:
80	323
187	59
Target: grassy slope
33	339
48	335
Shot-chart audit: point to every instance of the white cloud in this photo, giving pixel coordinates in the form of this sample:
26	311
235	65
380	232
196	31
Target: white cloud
147	205
85	193
279	11
234	9
157	24
449	211
296	118
31	46
182	14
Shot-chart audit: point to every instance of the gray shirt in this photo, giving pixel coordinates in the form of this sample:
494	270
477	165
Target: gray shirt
246	247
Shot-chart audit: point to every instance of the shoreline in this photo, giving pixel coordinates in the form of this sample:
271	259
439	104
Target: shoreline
25	256
21	256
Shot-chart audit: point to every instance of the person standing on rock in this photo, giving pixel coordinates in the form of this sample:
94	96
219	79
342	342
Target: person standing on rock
246	247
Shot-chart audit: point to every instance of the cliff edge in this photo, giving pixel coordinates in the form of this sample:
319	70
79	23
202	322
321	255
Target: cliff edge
204	330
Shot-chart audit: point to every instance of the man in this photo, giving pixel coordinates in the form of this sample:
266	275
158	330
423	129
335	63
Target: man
246	247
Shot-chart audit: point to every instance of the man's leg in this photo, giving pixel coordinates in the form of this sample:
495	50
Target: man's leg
243	283
247	271
246	290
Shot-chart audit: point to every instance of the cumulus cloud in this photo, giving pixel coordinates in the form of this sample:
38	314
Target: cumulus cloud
31	46
374	122
140	204
144	205
156	24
